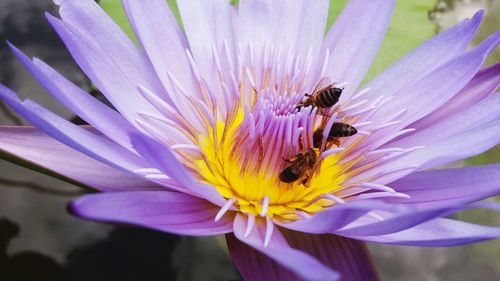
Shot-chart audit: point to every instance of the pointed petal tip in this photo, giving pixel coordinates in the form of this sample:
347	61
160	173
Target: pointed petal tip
478	16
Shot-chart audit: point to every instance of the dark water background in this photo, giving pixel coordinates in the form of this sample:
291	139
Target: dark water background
40	241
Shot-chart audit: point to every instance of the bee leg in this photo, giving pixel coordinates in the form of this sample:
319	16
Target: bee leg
305	181
336	142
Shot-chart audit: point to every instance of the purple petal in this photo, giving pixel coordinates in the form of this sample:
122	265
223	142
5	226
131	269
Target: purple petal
339	216
220	16
199	35
101	117
255	266
484	83
115	81
161	210
456	147
294	261
145	16
437	233
355	39
162	157
485	111
451	186
355	262
435	89
255	26
311	31
93	145
404	220
453	148
93	22
36	148
350	258
425	59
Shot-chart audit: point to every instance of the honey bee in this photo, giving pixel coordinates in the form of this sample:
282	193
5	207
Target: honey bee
323	98
300	167
338	130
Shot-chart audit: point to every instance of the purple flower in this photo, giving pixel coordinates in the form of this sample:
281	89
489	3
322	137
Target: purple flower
232	127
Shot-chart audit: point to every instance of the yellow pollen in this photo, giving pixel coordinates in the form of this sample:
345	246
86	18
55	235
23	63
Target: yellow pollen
238	173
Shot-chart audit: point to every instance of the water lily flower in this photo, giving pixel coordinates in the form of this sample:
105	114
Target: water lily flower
216	130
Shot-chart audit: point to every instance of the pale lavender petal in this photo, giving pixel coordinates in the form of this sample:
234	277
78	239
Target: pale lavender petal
220	16
120	89
456	147
255	26
163	158
424	59
164	43
161	210
404	220
29	146
451	186
300	263
476	115
437	233
484	83
92	21
435	89
93	145
355	39
312	27
199	35
100	116
453	148
285	29
338	216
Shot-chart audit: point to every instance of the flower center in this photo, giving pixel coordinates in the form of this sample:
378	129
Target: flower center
265	160
265	143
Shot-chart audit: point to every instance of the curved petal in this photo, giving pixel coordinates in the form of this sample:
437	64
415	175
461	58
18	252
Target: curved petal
255	26
339	216
162	157
485	111
93	145
355	39
456	147
405	220
451	186
296	261
438	87
437	233
311	31
91	20
350	258
199	35
115	82
100	116
220	16
34	147
425	58
484	83
161	210
255	266
165	44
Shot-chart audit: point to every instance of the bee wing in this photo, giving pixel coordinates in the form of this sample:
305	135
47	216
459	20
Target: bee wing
319	86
